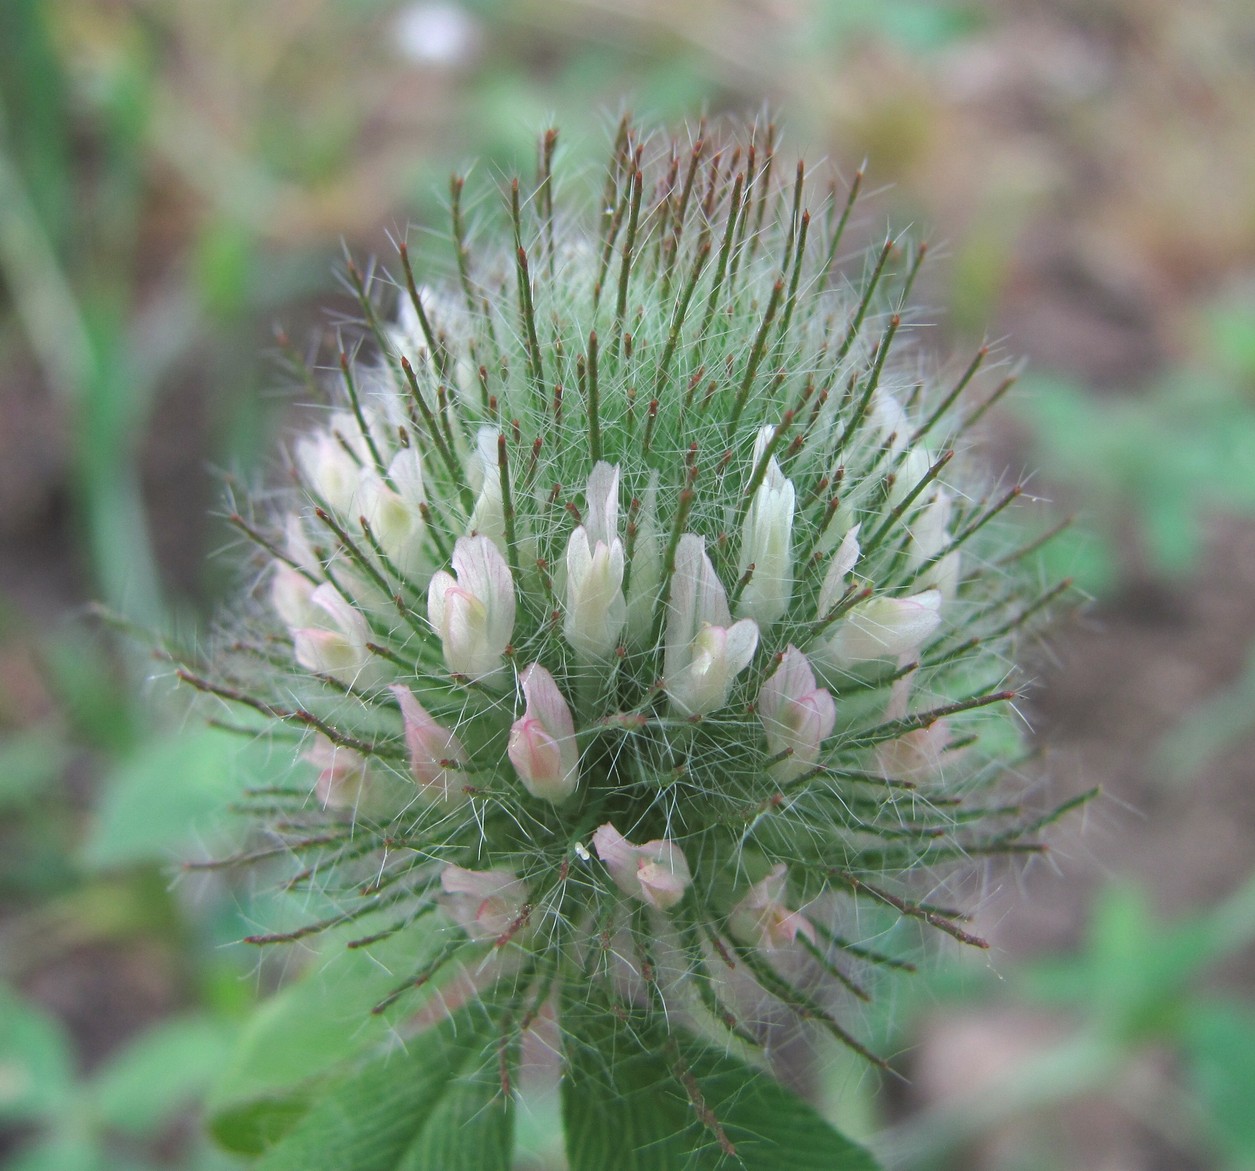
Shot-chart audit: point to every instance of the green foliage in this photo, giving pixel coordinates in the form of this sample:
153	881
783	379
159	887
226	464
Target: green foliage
636	1098
173	792
431	1104
1167	458
1135	984
290	1044
165	1071
86	1123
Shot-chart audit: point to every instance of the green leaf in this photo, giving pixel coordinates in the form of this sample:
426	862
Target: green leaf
172	792
632	1095
60	1152
293	1040
300	1037
36	1065
1220	1039
168	1068
29	763
437	1103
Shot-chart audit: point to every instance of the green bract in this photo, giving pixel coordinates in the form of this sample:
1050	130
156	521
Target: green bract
644	637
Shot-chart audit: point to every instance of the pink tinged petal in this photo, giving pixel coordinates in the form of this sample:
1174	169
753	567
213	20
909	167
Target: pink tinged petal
882	628
916	756
434	752
797	716
843	561
542	745
762	919
662	885
486	904
342	773
656	873
337	645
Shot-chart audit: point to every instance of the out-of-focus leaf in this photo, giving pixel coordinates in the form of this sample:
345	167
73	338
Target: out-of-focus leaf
437	1103
173	791
1220	1040
29	763
64	1152
166	1070
630	1104
36	1065
292	1042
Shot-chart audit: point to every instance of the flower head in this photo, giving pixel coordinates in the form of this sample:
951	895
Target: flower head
638	524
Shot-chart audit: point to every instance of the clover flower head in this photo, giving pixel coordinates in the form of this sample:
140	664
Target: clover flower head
634	607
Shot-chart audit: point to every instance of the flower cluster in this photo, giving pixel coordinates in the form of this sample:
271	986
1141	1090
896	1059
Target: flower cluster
631	607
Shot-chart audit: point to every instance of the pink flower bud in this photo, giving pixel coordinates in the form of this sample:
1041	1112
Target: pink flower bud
342	773
796	715
486	904
762	919
435	752
917	755
656	873
542	744
473	613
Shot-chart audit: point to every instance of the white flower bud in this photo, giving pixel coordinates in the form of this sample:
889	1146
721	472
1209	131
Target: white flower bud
796	715
327	468
646	575
542	744
705	650
767	543
435	752
884	628
473	613
656	873
843	560
395	516
484	476
290	595
337	646
595	607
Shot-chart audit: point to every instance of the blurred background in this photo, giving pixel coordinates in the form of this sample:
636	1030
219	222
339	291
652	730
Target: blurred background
176	179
